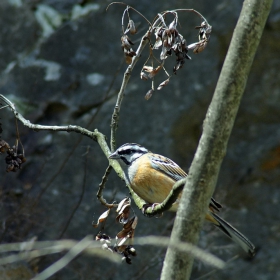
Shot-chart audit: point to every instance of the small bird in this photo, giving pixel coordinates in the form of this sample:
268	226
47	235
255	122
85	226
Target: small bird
152	177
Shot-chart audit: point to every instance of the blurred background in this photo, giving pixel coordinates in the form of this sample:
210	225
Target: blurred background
59	61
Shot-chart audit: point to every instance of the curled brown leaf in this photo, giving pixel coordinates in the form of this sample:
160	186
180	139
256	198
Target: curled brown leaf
102	218
4	146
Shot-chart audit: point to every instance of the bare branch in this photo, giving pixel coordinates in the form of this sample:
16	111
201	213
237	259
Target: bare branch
67	258
122	3
102	186
29	250
188	248
127	74
68	128
169	200
41	248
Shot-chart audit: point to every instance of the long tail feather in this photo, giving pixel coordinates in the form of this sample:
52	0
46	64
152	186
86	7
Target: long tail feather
234	234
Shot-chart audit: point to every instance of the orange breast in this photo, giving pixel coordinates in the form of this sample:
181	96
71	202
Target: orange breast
151	185
154	186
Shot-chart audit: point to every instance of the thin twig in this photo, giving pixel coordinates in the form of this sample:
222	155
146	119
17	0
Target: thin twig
215	270
101	188
35	249
18	138
42	248
169	200
127	74
194	11
122	3
66	259
125	11
196	252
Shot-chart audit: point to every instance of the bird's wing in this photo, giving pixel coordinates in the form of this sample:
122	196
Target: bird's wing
167	166
173	170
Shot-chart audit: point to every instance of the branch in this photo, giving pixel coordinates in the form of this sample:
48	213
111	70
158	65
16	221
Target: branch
95	135
188	248
101	188
126	77
29	250
34	249
217	127
169	200
68	128
66	259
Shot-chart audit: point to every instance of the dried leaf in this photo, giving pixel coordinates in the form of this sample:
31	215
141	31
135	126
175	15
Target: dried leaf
200	47
173	24
157	43
124	214
192	46
4	146
135	222
132	28
127	49
163	84
126	42
128	59
14	160
144	76
155	71
152	71
149	94
148	69
123	210
102	218
163	55
128	228
124	201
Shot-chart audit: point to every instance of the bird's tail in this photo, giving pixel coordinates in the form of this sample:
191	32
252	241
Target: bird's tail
233	233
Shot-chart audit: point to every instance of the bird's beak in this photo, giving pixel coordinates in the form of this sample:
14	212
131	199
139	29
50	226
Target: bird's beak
114	156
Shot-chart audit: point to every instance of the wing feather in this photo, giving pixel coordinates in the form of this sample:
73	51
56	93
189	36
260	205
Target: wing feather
173	170
167	166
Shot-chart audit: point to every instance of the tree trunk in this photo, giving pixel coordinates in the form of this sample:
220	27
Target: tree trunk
217	127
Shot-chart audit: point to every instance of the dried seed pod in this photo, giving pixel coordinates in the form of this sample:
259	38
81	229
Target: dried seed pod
131	250
126	42
200	46
163	84
128	260
132	28
144	76
14	160
4	146
152	71
149	94
127	49
103	217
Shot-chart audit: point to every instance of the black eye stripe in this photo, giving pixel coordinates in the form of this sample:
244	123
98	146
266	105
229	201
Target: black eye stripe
125	152
128	150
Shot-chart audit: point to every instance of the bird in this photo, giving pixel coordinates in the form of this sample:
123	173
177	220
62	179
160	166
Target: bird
152	176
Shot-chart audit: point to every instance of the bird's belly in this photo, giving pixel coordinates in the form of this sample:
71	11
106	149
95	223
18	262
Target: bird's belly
153	189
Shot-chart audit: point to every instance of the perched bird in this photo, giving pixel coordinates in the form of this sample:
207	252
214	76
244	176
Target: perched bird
152	176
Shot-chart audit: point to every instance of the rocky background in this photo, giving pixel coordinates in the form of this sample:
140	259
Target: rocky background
58	61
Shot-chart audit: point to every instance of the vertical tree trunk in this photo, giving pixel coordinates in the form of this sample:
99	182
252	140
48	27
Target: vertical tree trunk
216	131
